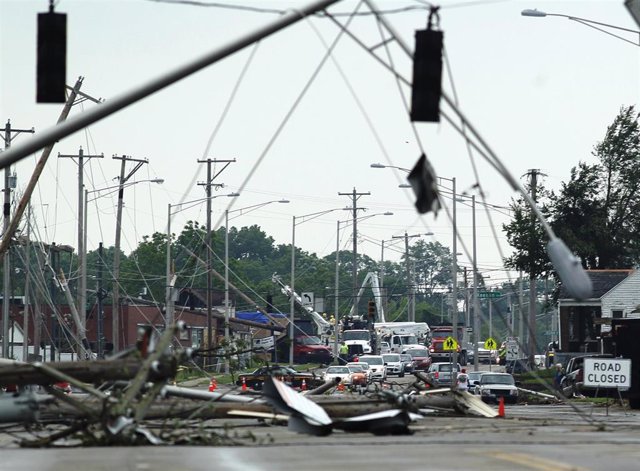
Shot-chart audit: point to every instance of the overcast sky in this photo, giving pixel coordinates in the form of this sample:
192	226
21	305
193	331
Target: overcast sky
541	91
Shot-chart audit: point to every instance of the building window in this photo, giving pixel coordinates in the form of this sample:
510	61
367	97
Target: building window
196	337
616	314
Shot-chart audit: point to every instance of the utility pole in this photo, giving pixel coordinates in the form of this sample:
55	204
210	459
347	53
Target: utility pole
100	295
454	281
115	309
27	282
355	196
82	284
9	134
533	184
208	184
521	311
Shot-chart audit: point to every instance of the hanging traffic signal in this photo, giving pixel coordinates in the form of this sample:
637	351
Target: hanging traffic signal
52	57
371	309
427	73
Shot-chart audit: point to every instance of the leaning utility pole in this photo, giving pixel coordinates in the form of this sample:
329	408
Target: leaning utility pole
82	284
115	309
355	196
208	184
9	135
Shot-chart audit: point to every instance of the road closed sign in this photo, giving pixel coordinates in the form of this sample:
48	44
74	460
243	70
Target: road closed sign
607	372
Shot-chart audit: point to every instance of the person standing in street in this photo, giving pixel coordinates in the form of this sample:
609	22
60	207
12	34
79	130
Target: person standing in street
344	352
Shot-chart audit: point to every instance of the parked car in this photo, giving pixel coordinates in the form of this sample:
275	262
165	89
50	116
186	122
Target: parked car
376	363
421	358
493	386
293	378
440	373
342	372
394	364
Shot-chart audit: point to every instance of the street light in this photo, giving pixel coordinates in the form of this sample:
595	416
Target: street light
337	280
226	265
292	306
378	165
586	22
83	265
170	276
476	310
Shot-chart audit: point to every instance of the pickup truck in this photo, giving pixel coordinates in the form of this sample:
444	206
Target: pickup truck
573	379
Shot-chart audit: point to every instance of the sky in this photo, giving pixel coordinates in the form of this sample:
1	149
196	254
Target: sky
540	91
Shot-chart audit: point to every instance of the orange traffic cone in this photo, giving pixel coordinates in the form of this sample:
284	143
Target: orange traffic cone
340	386
501	407
213	384
244	384
303	387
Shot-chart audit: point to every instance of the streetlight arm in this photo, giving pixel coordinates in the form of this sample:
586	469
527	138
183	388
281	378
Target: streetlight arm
378	165
312	216
586	22
115	188
200	200
255	206
540	14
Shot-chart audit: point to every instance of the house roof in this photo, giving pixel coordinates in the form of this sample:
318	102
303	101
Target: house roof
603	281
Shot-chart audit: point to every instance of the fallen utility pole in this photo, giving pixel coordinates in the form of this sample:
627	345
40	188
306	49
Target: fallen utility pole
96	371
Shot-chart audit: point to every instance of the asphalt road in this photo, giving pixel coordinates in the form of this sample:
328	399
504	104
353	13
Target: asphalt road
562	440
534	437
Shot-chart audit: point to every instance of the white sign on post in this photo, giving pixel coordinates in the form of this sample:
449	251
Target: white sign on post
607	373
513	351
308	299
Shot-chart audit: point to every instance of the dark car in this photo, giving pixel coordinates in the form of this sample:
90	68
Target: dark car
287	374
421	358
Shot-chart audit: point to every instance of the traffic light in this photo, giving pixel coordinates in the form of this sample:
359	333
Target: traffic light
51	57
371	309
427	72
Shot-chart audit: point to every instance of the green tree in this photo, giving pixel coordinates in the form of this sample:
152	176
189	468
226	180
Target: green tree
527	236
598	210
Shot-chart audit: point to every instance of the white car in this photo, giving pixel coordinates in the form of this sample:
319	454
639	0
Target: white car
341	372
376	364
394	364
